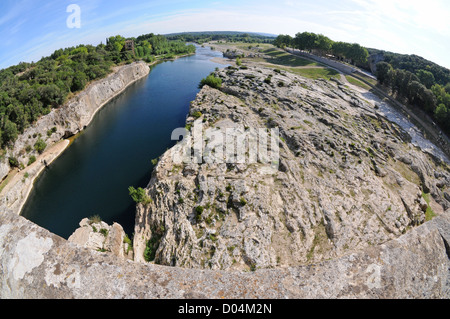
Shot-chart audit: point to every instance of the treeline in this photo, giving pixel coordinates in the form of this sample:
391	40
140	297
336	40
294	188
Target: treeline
420	89
203	37
414	64
30	90
149	45
322	45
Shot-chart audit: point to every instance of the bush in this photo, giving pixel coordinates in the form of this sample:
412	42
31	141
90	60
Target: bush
211	81
199	211
31	160
13	162
50	132
197	114
95	219
40	146
139	195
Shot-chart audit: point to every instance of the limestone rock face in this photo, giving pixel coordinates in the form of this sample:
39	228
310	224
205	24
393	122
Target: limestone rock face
347	179
98	235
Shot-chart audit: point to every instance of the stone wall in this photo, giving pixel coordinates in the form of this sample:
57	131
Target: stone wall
35	263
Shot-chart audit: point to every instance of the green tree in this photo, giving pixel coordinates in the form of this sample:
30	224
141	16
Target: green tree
211	81
79	81
357	53
384	72
51	95
426	78
305	41
10	132
40	146
115	43
442	115
323	44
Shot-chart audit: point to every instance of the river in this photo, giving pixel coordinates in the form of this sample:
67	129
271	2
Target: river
115	151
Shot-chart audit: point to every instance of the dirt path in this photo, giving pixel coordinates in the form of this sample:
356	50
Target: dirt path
15	193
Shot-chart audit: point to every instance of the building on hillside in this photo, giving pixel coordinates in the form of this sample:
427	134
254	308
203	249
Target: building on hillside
129	45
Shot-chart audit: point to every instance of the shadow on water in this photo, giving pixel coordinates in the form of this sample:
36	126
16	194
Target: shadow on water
115	151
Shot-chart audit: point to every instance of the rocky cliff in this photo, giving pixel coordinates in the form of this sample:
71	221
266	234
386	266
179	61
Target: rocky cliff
347	180
75	115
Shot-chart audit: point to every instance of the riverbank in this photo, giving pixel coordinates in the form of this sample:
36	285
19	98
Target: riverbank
66	121
14	195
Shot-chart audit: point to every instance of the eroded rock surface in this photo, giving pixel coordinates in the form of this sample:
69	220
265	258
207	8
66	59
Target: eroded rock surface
100	236
347	180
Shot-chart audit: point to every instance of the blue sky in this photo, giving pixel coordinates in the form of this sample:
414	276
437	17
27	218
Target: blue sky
32	29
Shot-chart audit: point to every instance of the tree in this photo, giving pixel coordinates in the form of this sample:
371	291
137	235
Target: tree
115	43
340	49
283	41
305	41
51	95
323	44
79	82
441	114
211	81
9	132
426	78
40	146
357	53
384	73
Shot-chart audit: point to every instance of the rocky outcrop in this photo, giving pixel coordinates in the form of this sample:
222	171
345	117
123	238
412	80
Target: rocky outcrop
98	235
347	180
75	115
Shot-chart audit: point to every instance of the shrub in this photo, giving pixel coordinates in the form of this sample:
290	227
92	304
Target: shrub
50	132
31	160
96	219
40	146
139	195
211	81
199	210
127	240
197	114
104	232
13	162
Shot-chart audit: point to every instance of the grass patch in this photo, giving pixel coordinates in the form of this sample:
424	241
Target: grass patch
357	82
8	179
429	214
368	79
283	58
316	73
